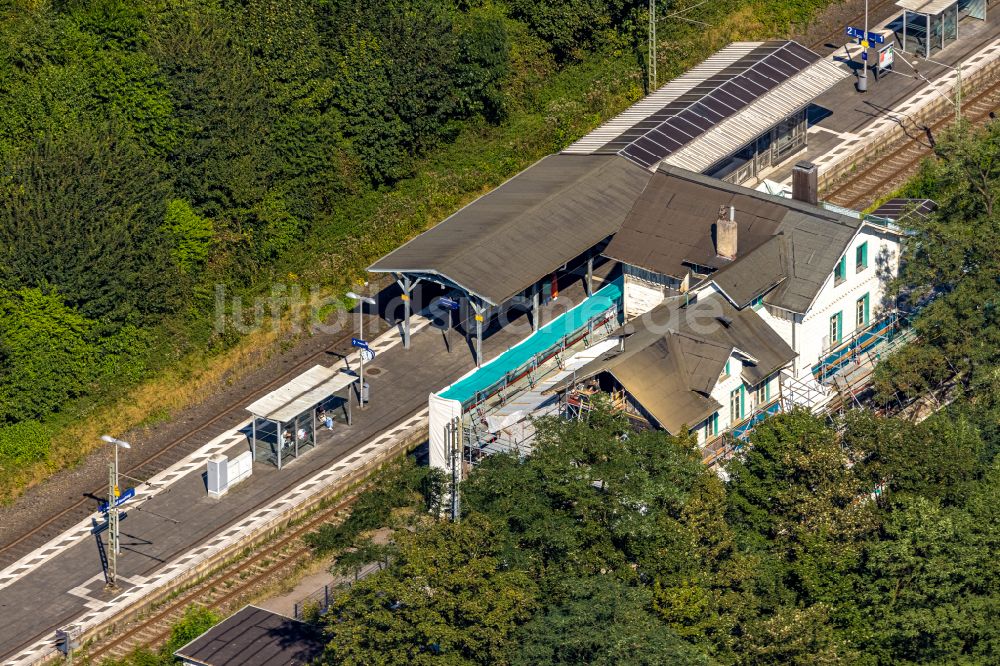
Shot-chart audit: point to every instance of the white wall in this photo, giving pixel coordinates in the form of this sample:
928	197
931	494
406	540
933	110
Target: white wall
722	391
641	296
812	336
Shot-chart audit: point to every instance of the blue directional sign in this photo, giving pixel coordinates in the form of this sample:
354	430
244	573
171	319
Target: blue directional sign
101	527
448	303
124	497
357	342
859	33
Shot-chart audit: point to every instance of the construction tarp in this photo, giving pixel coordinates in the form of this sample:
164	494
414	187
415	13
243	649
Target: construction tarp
547	337
442	412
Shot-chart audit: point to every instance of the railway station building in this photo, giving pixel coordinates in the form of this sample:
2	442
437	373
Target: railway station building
734	116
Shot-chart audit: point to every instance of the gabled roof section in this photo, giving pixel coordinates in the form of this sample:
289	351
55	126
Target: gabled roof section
673	357
671	228
508	239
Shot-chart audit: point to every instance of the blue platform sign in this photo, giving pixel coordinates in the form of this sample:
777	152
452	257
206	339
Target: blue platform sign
859	33
97	528
357	342
124	497
448	303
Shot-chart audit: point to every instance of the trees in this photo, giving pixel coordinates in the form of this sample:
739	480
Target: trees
48	354
450	598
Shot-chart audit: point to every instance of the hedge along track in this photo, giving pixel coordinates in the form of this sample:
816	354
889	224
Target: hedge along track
231	583
860	190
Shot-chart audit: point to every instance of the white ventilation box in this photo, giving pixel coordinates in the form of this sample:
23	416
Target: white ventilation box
218	475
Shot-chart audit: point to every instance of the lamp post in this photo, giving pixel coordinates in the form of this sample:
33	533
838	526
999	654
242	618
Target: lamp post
113	493
362	301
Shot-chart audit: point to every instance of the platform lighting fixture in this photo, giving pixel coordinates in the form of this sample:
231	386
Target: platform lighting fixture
362	301
114	541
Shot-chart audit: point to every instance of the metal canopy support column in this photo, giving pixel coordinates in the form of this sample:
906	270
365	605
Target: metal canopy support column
927	37
590	274
478	309
535	298
407	285
280	439
906	19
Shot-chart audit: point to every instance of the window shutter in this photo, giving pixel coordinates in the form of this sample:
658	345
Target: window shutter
867	312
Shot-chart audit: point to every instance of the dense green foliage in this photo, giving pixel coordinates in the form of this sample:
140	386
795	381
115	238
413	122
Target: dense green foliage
874	544
951	259
155	151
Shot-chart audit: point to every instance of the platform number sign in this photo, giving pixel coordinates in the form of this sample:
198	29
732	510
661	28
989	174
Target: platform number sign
865	39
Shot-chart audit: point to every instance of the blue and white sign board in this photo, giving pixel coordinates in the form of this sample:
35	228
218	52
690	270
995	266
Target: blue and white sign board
859	33
97	528
448	303
367	355
124	497
357	342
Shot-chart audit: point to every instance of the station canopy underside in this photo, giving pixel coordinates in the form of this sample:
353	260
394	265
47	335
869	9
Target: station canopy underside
510	238
301	394
718	107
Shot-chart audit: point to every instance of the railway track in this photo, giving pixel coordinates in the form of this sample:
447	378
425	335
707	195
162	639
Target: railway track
227	587
904	156
178	448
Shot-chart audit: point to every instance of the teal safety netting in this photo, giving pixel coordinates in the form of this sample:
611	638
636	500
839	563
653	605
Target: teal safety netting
553	335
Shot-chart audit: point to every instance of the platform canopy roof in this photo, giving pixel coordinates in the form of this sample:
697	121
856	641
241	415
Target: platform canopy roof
301	394
932	7
510	238
717	107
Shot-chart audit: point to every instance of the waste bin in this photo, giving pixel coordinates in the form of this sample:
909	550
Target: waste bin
364	392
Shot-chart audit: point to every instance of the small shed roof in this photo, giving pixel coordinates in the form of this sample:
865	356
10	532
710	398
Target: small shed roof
255	637
932	7
302	393
897	210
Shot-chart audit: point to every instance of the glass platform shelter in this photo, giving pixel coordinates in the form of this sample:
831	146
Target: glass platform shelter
285	421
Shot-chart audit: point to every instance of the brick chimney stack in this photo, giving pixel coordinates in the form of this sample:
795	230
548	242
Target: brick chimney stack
725	233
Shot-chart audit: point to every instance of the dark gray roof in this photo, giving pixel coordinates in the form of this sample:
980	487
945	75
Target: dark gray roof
508	239
897	210
671	228
674	354
255	637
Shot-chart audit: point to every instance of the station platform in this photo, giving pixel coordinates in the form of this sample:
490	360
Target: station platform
844	117
63	581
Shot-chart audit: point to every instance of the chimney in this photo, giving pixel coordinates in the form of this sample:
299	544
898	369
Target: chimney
725	233
805	182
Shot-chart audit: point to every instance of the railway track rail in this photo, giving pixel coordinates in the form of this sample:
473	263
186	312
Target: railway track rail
902	158
181	446
231	584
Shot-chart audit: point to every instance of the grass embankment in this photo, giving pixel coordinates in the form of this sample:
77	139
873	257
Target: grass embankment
551	105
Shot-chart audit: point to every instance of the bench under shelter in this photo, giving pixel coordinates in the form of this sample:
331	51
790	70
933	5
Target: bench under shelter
285	420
